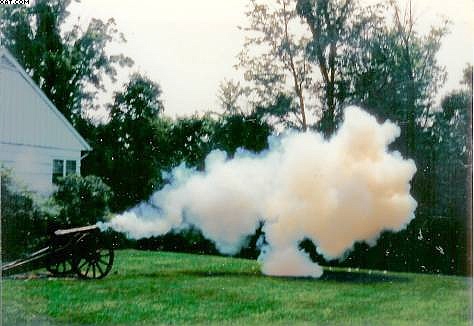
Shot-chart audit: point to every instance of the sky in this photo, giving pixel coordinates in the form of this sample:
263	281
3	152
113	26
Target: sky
190	46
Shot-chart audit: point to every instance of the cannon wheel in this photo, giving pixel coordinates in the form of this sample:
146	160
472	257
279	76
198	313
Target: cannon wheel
60	267
94	259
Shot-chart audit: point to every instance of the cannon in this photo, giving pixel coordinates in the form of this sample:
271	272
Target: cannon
83	251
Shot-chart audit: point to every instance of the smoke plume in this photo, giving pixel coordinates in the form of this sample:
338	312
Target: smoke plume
334	192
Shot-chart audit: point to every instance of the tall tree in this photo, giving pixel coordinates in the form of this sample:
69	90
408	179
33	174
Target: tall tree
363	59
69	66
130	150
451	129
274	57
330	25
396	73
229	93
419	74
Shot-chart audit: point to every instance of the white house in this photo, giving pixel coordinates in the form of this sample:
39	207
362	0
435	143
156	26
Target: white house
36	140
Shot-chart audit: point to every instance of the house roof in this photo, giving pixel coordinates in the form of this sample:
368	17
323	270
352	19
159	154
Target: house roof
5	54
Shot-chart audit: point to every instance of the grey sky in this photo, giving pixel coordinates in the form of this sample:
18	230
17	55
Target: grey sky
189	46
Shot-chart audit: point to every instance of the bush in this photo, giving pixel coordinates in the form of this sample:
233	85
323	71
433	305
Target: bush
428	245
24	220
190	240
82	200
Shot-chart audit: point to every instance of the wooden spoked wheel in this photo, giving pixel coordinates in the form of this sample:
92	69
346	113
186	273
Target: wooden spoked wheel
61	267
94	260
95	264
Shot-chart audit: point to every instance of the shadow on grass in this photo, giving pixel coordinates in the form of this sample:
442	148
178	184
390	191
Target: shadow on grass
340	276
328	276
220	274
194	273
334	276
361	277
38	275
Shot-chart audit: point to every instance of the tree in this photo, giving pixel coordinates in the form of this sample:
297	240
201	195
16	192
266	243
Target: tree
330	25
229	94
138	144
274	51
392	71
69	66
419	73
451	129
23	219
81	200
344	34
395	74
191	140
389	68
130	150
244	131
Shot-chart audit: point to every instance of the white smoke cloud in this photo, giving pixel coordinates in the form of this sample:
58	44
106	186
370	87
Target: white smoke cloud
334	192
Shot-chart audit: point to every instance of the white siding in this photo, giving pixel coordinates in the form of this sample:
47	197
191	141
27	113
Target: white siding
32	166
33	132
26	119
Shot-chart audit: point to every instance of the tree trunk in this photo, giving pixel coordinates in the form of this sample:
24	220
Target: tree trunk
302	109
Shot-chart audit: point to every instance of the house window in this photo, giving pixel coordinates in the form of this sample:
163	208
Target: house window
70	167
58	170
62	168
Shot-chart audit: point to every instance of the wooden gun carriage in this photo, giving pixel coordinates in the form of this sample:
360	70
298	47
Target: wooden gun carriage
83	251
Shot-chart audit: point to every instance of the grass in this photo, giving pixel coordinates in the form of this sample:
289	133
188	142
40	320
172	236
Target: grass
150	288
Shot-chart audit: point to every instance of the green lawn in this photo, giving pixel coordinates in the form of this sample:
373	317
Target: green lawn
149	288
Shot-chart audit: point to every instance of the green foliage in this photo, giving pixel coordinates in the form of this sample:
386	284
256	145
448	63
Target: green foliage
430	244
452	152
154	288
229	93
131	150
248	132
390	69
442	157
332	24
23	218
140	102
396	75
81	200
279	111
26	218
138	144
274	58
190	140
69	66
189	240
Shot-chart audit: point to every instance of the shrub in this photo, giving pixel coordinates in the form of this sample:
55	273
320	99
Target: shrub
81	200
428	245
189	240
23	219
